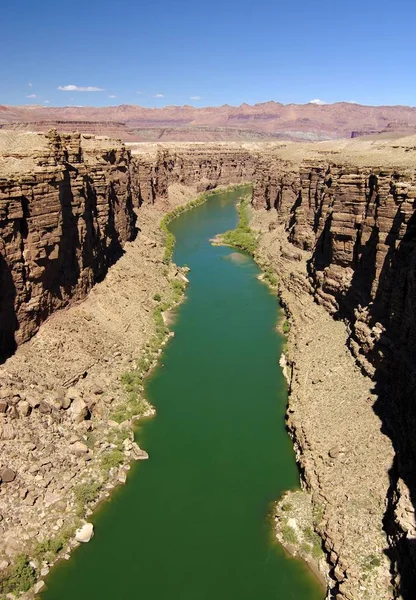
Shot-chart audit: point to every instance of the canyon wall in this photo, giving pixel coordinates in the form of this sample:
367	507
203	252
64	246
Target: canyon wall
201	165
63	219
67	208
357	223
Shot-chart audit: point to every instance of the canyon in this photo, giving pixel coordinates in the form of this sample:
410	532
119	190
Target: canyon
82	259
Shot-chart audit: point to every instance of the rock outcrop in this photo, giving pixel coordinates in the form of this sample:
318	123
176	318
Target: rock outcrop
67	209
204	166
355	223
64	218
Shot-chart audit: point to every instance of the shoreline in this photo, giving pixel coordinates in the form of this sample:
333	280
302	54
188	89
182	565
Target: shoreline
316	565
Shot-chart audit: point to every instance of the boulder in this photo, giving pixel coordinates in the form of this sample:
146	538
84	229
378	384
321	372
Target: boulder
23	408
64	400
7	432
79	410
33	401
7	475
79	448
138	453
44	407
38	586
73	394
334	452
84	533
3	406
5	393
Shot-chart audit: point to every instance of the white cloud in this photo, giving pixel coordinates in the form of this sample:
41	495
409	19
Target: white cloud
31	96
112	96
196	98
79	88
30	84
46	101
139	92
158	96
317	101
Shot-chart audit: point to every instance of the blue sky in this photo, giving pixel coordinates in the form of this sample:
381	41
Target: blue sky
207	53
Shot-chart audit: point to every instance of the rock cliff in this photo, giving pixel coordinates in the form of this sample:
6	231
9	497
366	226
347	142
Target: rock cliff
204	166
66	210
354	220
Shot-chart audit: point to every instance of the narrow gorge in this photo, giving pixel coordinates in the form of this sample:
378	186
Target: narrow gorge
82	265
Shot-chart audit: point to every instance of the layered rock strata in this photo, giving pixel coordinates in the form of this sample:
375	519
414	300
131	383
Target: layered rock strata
64	218
353	227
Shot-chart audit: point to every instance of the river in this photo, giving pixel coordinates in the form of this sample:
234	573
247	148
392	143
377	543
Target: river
193	522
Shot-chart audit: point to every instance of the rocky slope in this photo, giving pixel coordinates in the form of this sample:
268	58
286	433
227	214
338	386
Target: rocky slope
351	217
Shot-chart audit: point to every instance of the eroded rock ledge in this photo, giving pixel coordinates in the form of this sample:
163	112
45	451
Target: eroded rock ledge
337	225
341	230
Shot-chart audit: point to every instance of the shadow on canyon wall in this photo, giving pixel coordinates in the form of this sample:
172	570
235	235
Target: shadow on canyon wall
8	319
394	357
86	241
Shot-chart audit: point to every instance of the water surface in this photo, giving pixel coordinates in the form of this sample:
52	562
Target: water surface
192	523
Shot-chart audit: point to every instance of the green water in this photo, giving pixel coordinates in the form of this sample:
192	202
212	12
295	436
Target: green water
192	522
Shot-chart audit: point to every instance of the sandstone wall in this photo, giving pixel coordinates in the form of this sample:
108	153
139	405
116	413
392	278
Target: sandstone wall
67	208
358	223
203	166
63	221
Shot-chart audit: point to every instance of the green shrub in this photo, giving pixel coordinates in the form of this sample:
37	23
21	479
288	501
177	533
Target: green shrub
132	407
270	276
242	236
309	534
371	562
87	492
286	327
112	458
117	436
286	507
157	297
289	534
314	540
19	577
48	549
317	551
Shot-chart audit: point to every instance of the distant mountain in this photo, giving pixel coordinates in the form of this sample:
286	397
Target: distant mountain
269	120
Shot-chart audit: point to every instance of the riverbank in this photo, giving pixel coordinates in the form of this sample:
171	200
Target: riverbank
85	369
295	518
